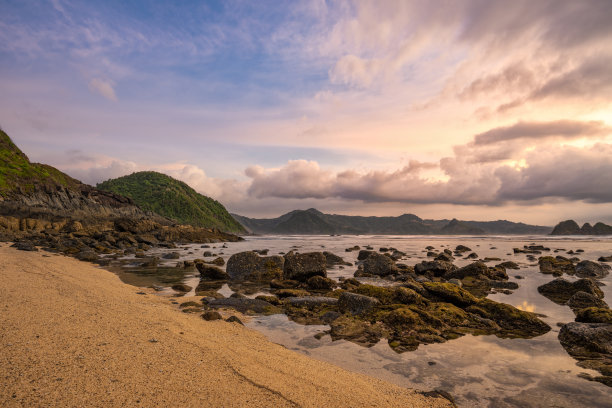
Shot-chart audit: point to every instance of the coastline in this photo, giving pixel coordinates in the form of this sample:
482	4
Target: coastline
75	335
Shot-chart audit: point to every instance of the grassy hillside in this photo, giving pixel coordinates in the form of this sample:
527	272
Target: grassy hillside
18	175
172	198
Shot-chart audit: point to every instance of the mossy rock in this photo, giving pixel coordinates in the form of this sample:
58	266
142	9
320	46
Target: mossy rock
190	304
270	299
403	317
384	295
514	322
283	293
450	293
594	315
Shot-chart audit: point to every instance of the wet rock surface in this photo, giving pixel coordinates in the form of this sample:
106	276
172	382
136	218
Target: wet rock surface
249	266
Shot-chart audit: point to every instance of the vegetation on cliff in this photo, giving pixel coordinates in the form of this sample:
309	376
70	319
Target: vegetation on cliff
172	198
19	176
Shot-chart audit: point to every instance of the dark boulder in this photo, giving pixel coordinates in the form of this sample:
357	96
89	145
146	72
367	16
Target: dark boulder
24	246
590	269
333	260
320	283
582	300
434	268
584	339
171	255
211	272
556	266
248	266
379	265
561	290
210	315
594	315
181	287
300	267
363	254
462	248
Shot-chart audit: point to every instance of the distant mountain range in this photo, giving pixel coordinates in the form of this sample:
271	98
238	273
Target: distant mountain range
174	199
571	227
312	222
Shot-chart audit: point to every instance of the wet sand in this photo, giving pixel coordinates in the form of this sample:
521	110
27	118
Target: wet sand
73	335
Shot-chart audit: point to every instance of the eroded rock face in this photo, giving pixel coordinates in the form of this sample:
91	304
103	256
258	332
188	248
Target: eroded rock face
300	267
379	265
248	266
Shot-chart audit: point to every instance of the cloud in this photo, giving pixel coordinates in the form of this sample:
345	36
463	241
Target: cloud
478	173
104	88
567	129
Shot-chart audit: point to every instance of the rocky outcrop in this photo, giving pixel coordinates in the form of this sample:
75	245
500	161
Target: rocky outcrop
590	269
570	227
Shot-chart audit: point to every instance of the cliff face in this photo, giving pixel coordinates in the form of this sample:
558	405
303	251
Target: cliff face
38	201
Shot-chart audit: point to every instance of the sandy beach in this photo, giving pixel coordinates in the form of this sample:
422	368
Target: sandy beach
73	335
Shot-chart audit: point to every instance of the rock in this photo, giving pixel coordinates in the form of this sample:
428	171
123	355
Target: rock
434	268
514	322
584	339
351	249
473	255
355	303
181	287
217	261
150	263
561	290
284	284
509	265
349	283
333	260
270	299
408	296
594	315
243	305
207	254
24	246
379	265
356	331
462	248
248	266
284	293
476	270
455	282
605	258
234	319
262	252
310	301
590	269
450	293
211	315
556	266
171	255
320	283
363	254
211	272
300	267
582	300
87	255
445	257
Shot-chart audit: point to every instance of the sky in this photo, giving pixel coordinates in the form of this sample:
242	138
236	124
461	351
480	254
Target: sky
474	109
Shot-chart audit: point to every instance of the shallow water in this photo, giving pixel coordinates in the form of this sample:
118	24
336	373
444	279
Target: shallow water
479	371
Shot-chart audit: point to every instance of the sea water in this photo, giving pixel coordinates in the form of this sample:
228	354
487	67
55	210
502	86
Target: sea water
479	371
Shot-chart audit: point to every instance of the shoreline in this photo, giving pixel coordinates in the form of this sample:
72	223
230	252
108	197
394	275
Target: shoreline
75	335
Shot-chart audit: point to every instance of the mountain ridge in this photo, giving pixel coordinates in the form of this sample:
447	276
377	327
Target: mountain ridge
405	224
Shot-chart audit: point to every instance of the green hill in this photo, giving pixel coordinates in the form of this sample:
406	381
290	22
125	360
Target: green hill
19	176
172	198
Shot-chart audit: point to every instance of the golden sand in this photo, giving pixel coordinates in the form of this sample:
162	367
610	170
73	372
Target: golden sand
73	335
